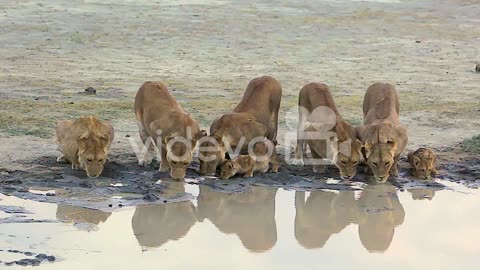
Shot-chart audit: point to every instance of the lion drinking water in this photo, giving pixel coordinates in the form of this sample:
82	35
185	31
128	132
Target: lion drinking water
84	143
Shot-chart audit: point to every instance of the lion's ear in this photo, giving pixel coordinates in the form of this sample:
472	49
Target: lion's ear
104	139
202	133
169	137
219	139
416	161
392	147
82	140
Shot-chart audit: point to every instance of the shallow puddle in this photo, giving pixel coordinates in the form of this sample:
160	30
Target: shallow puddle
262	228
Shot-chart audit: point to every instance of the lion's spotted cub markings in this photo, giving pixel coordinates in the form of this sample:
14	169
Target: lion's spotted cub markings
384	136
423	163
259	160
84	143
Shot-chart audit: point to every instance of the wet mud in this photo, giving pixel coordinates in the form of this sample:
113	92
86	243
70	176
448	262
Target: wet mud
124	183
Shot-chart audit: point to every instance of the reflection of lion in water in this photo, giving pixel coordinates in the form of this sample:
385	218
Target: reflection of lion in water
155	225
322	215
249	215
379	211
80	214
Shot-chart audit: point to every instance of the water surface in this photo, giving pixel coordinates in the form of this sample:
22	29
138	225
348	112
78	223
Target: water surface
263	228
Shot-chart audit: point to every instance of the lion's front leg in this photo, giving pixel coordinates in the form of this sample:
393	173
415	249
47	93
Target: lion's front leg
394	168
76	166
62	159
164	166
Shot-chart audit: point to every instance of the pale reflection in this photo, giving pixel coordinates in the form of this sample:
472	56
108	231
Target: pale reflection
155	225
423	193
379	211
249	215
81	215
323	214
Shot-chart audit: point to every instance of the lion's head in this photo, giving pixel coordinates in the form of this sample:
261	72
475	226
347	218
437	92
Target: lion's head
347	161
92	153
179	154
380	159
423	163
228	169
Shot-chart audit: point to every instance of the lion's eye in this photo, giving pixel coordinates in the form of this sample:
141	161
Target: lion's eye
355	163
343	162
101	160
89	160
185	163
374	163
387	163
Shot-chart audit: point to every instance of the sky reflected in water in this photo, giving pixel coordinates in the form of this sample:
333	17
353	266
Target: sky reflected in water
263	228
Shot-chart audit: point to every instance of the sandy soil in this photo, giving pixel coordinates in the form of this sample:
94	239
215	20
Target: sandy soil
207	51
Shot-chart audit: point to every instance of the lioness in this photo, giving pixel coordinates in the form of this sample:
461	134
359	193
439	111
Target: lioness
174	132
262	156
383	135
319	120
255	116
84	143
423	163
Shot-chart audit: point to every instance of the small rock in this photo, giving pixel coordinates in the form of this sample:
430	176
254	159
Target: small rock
50	194
477	68
91	91
150	197
110	205
127	136
120	205
71	103
418	41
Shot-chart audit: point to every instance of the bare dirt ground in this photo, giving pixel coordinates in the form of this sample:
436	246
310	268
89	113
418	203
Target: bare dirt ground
207	51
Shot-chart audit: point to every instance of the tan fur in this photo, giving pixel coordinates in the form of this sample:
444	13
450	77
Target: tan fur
423	163
384	137
157	224
258	161
316	98
255	116
84	143
162	119
250	215
321	215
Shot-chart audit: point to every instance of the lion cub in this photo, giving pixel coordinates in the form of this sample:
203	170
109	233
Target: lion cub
423	163
262	156
84	143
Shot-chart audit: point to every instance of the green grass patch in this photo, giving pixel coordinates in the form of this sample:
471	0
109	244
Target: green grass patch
38	118
472	144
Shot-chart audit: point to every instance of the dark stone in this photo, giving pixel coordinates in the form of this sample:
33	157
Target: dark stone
91	91
27	262
477	68
418	41
150	197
